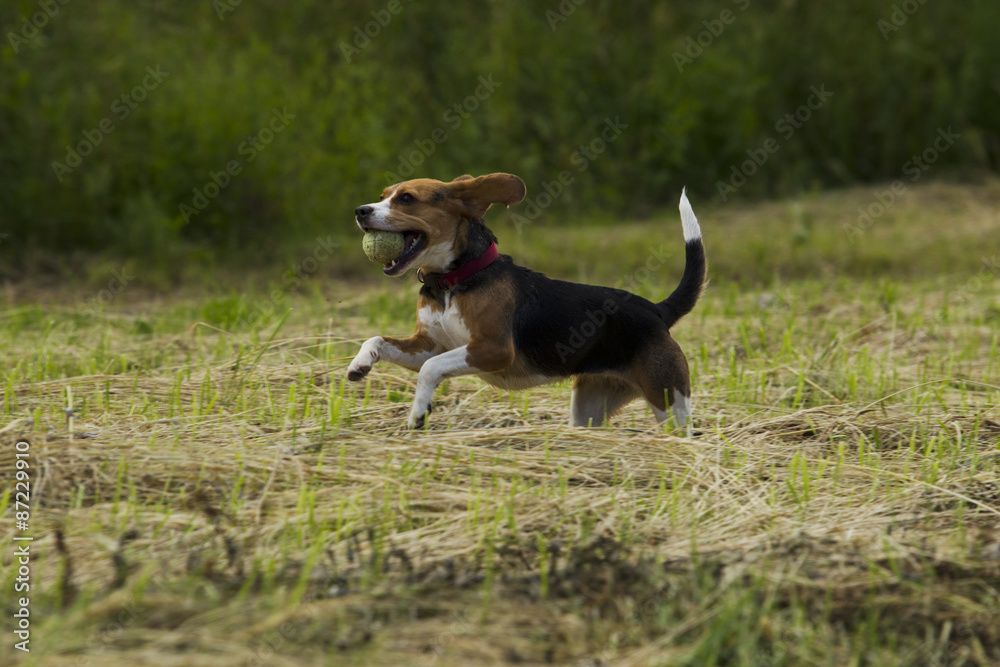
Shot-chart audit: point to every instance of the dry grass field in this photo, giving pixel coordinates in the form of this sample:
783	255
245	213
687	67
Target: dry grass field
206	492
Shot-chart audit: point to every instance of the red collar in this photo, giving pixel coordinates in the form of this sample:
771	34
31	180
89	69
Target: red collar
464	272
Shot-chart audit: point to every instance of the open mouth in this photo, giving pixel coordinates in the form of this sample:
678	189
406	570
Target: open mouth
413	244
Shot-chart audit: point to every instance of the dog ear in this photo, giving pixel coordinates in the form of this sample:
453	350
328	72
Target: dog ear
476	194
463	177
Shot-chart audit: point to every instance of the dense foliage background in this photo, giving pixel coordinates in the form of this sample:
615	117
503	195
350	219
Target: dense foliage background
692	87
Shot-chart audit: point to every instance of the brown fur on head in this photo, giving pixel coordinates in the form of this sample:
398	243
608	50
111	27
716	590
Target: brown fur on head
431	214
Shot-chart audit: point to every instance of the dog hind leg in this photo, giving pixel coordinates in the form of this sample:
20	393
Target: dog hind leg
596	398
663	376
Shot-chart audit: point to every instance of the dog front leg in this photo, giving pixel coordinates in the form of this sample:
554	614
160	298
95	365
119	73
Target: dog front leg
480	358
452	362
409	353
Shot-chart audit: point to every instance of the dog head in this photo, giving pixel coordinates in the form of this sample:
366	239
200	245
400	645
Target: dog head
430	214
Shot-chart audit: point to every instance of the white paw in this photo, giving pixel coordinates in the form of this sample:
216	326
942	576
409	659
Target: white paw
365	359
418	415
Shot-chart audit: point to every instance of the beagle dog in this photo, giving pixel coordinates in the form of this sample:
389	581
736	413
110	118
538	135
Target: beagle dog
481	314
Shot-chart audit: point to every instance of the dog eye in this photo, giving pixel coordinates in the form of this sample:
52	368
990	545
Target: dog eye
406	198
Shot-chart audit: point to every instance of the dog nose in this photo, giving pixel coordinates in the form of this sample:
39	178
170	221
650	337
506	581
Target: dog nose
363	212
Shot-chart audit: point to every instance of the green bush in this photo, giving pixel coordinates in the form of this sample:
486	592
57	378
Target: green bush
560	72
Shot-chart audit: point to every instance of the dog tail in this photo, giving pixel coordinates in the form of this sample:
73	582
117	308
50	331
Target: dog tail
683	299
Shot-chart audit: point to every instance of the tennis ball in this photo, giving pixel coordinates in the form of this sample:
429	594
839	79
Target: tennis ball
383	247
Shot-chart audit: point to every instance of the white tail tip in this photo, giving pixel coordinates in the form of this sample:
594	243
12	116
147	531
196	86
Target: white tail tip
692	231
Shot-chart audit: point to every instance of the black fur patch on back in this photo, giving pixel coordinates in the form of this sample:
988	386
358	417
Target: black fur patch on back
565	328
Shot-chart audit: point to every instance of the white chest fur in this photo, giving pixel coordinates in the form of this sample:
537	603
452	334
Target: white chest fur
446	328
